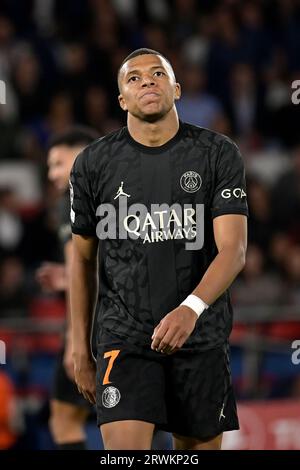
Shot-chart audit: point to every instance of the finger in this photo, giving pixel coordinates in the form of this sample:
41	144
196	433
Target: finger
86	397
173	351
94	397
181	341
91	396
169	349
173	348
160	333
155	330
85	394
169	338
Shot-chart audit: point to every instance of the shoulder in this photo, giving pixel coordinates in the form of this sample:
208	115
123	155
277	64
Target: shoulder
207	138
96	152
113	138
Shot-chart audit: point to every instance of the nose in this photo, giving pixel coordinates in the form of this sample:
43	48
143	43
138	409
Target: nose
147	80
51	175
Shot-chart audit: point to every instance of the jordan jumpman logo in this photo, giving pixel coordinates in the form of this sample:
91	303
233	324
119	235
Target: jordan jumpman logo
121	192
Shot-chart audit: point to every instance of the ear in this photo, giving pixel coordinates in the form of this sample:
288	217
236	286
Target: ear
122	102
177	91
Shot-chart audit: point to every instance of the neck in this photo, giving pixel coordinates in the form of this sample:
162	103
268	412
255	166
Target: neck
153	134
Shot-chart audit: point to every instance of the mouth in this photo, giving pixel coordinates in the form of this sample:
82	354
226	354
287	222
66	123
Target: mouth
150	94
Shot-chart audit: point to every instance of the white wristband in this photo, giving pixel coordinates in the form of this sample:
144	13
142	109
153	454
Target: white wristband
195	303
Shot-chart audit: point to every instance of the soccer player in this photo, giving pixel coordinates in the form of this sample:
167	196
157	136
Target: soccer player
69	410
162	205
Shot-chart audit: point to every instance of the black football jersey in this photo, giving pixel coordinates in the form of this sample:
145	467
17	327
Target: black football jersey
152	209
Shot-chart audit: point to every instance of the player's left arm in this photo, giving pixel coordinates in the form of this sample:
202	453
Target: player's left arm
230	232
229	212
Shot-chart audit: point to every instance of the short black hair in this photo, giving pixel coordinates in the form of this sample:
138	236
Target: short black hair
74	136
142	51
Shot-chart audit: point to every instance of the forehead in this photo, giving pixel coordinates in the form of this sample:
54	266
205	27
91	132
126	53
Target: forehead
58	152
144	62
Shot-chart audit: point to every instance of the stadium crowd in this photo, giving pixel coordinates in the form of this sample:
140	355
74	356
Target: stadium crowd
236	61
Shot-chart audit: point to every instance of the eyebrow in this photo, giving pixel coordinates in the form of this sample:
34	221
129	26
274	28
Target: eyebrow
138	71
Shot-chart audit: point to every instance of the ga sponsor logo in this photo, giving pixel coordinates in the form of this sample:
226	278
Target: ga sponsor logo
238	193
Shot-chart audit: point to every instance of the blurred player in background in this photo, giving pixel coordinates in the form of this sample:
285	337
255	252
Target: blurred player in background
68	409
165	314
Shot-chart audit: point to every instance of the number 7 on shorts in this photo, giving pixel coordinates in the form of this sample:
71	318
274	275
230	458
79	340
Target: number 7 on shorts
113	356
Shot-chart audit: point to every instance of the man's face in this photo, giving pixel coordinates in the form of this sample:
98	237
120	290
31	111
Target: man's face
60	162
147	87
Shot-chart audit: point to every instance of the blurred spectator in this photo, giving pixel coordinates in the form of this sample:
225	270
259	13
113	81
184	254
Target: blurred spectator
256	286
13	293
261	228
236	62
196	106
28	85
8	413
286	199
11	227
96	111
224	52
74	62
279	246
196	48
243	101
7	41
292	279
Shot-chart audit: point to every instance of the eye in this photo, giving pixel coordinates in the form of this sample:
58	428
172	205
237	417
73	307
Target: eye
159	73
134	78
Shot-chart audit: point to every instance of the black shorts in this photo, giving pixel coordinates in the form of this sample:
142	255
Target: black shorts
64	389
188	393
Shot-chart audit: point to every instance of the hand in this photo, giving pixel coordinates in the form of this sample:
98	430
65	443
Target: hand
85	375
68	360
52	277
173	330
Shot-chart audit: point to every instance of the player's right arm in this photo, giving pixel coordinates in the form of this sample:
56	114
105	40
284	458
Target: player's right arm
83	284
83	279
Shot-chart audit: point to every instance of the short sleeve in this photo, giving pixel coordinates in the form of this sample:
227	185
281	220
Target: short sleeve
83	211
229	196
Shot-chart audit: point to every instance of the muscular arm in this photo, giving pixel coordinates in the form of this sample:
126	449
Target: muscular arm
230	232
68	251
82	299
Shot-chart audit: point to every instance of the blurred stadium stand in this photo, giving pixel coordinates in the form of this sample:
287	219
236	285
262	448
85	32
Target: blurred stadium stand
236	61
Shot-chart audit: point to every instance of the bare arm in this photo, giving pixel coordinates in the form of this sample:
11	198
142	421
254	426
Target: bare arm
68	252
68	353
230	232
52	277
83	297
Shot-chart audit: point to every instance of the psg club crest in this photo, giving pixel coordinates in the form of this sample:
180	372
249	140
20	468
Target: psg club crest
190	181
110	397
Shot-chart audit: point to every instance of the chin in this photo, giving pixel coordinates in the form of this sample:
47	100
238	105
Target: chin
152	117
